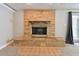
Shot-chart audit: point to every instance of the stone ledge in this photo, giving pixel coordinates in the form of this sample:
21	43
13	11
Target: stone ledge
39	43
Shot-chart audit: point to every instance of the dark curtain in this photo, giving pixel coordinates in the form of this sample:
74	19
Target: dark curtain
69	37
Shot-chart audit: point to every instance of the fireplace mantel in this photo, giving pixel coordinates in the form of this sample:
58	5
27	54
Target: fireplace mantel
42	20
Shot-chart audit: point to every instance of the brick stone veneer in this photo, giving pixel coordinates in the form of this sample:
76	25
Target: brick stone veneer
36	16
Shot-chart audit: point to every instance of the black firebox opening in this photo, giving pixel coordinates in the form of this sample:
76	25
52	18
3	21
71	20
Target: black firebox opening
39	30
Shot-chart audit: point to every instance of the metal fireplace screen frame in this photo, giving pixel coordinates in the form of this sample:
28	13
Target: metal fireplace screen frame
39	30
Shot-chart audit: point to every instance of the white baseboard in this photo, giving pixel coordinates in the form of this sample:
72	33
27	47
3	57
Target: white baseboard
5	45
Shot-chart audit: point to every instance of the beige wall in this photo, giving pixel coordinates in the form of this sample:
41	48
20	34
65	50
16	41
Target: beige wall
19	23
6	25
61	23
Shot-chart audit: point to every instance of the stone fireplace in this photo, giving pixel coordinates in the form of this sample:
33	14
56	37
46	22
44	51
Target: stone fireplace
39	23
39	29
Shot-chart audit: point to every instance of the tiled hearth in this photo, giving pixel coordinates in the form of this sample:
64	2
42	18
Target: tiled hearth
39	42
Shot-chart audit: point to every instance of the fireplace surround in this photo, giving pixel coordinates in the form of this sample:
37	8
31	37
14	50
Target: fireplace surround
39	23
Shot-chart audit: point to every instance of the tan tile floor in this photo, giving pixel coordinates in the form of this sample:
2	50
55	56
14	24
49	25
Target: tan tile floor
40	51
68	50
